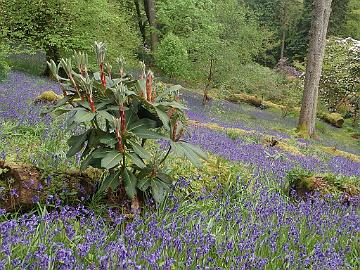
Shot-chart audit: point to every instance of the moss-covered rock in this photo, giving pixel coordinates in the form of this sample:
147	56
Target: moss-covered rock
303	183
23	185
48	96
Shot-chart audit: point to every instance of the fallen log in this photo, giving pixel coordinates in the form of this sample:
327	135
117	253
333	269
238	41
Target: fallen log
249	99
334	119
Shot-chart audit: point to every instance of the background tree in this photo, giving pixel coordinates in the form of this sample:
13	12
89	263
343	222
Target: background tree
300	35
219	37
352	27
151	16
319	26
58	27
279	16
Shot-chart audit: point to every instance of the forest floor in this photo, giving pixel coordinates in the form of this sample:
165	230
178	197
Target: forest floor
235	213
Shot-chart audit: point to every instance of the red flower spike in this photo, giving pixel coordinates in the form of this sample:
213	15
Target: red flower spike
91	102
123	121
102	75
149	81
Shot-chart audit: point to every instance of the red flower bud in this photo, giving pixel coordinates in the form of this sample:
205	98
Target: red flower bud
149	81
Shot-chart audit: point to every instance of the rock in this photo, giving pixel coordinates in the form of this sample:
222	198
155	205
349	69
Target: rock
26	185
48	96
24	181
303	184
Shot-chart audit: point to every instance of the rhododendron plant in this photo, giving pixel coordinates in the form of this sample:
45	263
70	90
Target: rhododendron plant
120	114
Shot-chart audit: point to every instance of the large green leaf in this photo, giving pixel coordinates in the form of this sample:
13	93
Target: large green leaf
130	183
172	104
106	115
76	143
158	190
165	178
147	133
111	181
144	183
111	159
138	149
196	149
59	112
108	140
142	123
82	116
136	160
168	91
101	152
163	117
182	150
93	141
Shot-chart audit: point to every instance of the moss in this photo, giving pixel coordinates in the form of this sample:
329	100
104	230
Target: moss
48	96
336	152
304	182
249	99
334	119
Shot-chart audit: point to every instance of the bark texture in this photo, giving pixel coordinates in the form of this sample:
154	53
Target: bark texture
151	15
319	26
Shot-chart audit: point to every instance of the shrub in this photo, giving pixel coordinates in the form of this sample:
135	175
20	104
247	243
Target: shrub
265	83
119	115
340	80
171	56
4	66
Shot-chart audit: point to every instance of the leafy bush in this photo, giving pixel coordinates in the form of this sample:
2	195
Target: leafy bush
266	83
58	27
4	66
218	36
119	115
171	56
340	80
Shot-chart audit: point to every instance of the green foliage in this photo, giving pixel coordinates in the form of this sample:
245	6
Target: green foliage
340	81
266	83
4	66
280	17
58	27
338	18
172	57
119	115
353	22
223	33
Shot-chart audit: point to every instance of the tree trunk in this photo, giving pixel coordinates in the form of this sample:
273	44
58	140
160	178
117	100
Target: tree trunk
140	22
151	15
319	25
206	97
282	44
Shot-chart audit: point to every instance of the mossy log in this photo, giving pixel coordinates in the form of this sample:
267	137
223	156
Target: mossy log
249	99
334	119
24	185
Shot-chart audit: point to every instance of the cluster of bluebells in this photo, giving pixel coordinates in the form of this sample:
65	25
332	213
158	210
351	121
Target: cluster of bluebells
17	97
267	159
231	115
248	227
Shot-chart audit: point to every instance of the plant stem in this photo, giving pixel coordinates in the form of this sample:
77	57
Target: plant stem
166	155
